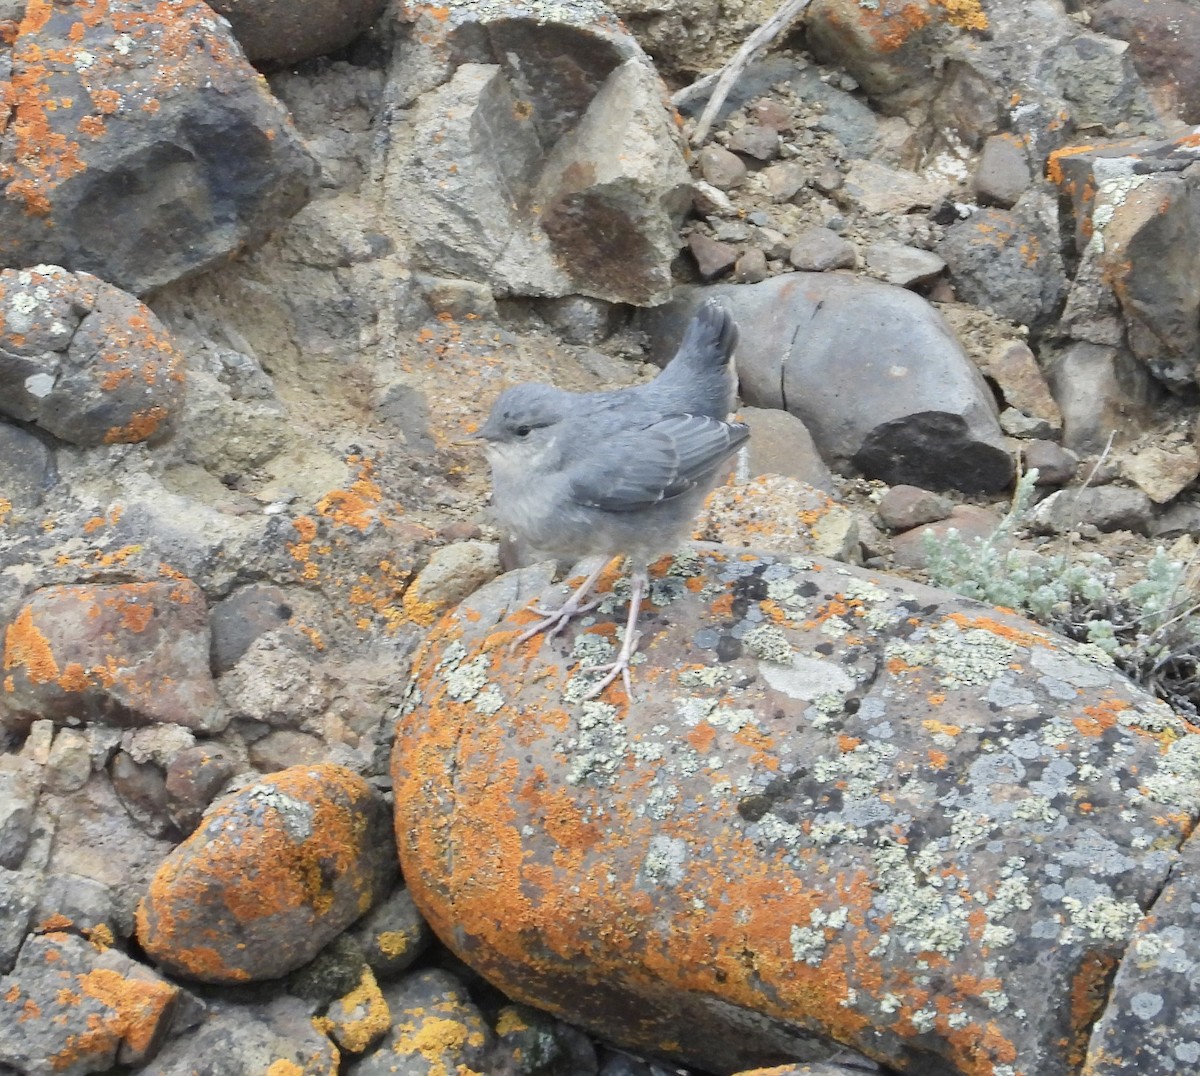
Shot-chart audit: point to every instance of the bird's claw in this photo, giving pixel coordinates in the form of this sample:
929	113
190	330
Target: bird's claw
612	670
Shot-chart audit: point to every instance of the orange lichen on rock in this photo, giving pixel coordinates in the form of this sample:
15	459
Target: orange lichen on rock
25	647
141	426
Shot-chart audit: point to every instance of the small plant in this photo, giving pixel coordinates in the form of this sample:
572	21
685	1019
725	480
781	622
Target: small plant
1149	629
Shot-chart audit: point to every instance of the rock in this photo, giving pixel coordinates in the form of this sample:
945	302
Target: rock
724	170
393	934
903	507
19	892
250	1040
123	654
751	267
435	1029
902	265
840	742
1176	521
72	902
1100	389
837	352
236	621
284	33
142	789
282	748
1056	466
68	1008
530	1043
1162	474
780	514
70	763
1006	261
710	201
969	521
276	683
580	320
713	259
358	1019
818	250
271	875
193	778
20	785
452	573
783	181
781	444
1163	37
26	464
1107	508
877	189
1014	369
1002	174
757	141
83	360
163	153
580	184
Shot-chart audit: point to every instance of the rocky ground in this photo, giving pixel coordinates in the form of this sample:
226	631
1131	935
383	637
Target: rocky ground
252	593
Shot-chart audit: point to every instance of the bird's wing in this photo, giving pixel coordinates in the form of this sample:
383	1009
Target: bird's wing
636	468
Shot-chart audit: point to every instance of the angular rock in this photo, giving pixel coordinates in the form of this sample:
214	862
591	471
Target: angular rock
1107	508
84	360
281	748
122	654
818	250
237	621
78	904
813	756
1056	466
358	1019
785	180
20	785
968	521
757	141
1164	37
1006	261
530	1043
435	1029
1015	371
393	934
250	1040
1002	174
903	265
875	188
1100	389
194	777
142	790
142	146
903	507
19	891
1162	474
781	444
284	33
713	259
26	464
546	164
751	267
271	875
838	352
68	1008
452	573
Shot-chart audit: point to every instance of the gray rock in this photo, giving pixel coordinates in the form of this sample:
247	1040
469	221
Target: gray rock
26	467
1014	370
755	140
194	777
420	1003
1007	261
783	181
1177	520
569	144
283	33
781	444
903	265
838	353
580	320
818	250
1163	36
751	267
1101	390
128	653
77	903
1056	466
70	763
83	1010
904	507
723	169
249	1040
393	934
142	789
713	259
83	360
842	739
969	521
238	620
19	892
281	748
1002	174
1107	508
531	1043
20	784
879	189
169	152
1162	473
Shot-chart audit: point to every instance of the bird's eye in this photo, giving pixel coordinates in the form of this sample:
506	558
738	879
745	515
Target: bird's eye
523	431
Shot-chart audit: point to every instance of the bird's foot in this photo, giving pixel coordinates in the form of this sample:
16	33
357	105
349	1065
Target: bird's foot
554	620
612	670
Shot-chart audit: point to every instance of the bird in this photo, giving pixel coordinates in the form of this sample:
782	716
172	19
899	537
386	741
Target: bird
620	472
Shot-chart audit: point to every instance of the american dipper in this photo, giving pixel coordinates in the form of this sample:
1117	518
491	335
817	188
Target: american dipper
623	472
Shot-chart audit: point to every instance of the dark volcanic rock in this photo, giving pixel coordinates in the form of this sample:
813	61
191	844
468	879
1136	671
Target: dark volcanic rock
283	32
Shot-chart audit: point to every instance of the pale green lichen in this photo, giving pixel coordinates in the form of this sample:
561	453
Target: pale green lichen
466	681
769	643
599	749
922	917
808	942
489	701
1101	918
707	676
1177	782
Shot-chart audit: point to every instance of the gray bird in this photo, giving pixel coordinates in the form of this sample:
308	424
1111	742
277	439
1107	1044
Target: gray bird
621	472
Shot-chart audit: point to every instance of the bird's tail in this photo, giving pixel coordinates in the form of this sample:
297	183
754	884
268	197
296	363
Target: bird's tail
698	380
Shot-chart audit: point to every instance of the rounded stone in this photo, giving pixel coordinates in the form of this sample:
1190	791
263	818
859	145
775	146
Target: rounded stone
272	875
283	32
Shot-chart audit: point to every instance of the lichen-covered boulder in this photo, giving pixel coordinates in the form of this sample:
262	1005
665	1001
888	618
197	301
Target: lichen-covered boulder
842	809
139	144
84	360
119	653
73	1007
272	874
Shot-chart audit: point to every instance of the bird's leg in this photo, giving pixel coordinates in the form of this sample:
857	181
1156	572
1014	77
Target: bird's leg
554	620
639	583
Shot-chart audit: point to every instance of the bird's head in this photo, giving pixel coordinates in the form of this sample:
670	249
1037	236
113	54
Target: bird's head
524	422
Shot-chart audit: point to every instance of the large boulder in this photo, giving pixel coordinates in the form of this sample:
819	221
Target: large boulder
843	809
872	370
139	143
